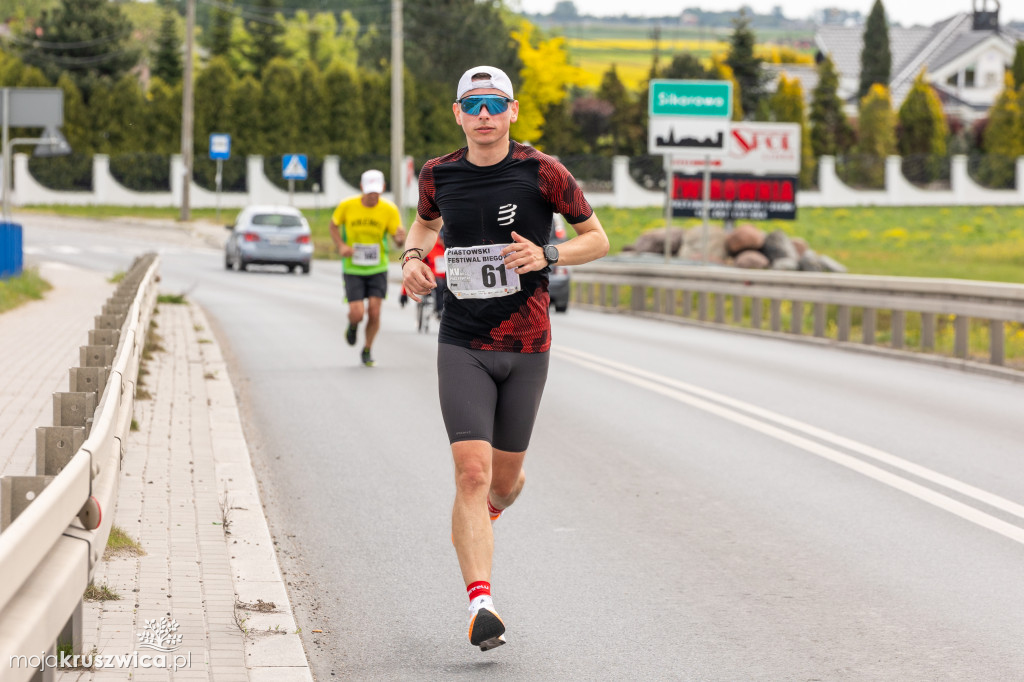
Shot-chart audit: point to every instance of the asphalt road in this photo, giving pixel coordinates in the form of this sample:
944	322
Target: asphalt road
699	505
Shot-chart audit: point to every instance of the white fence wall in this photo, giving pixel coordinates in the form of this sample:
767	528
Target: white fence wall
626	193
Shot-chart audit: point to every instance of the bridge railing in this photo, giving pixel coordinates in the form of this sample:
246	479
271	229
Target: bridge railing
955	322
54	526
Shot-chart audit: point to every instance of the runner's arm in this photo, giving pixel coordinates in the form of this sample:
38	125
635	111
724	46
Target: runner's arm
344	249
590	243
417	277
399	235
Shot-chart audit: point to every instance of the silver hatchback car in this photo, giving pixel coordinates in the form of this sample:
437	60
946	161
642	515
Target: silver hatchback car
269	235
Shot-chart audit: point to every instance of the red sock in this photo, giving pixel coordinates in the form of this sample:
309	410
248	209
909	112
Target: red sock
478	589
492	509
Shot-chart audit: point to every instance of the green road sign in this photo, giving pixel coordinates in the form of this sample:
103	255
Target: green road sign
706	99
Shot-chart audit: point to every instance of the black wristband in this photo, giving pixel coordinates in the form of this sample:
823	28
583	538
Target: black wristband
419	254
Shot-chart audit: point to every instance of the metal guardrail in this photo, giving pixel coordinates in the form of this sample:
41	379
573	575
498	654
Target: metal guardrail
55	525
820	307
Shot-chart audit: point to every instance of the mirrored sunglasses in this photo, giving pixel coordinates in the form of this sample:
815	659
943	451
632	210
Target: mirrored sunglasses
496	104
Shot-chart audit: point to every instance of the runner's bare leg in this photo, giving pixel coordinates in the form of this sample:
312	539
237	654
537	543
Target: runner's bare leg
471	525
507	477
373	325
355	312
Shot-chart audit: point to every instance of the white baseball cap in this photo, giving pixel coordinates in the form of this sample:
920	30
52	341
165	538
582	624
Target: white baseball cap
372	182
484	77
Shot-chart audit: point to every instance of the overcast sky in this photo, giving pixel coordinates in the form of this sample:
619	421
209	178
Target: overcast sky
906	12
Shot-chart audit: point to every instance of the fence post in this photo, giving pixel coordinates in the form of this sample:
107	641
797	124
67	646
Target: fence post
961	339
55	446
796	320
843	322
997	353
868	326
898	328
638	296
927	331
819	319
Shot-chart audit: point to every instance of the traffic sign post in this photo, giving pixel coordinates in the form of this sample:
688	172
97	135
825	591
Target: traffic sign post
688	115
30	108
294	167
220	149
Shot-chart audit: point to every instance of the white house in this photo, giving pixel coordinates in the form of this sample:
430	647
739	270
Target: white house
965	58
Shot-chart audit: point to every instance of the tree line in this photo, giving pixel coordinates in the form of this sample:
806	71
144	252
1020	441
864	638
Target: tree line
281	80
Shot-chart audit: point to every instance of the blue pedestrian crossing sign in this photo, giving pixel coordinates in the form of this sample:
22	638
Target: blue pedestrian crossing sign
294	167
220	146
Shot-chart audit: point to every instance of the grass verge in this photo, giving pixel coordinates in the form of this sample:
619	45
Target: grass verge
120	544
28	286
100	593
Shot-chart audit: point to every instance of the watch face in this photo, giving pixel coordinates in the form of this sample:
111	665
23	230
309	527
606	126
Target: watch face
550	253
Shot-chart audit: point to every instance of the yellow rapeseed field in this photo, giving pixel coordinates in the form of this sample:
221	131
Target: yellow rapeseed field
632	57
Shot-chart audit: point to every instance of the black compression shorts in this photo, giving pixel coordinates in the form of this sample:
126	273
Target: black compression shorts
490	395
358	287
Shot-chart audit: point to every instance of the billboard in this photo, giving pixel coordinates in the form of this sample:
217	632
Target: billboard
761	148
735	196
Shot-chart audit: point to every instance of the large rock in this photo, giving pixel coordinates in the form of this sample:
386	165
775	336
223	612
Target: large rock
693	244
744	237
811	261
785	264
778	245
800	244
752	259
831	265
653	241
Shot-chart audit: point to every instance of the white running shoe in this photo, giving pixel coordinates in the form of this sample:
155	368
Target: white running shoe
486	629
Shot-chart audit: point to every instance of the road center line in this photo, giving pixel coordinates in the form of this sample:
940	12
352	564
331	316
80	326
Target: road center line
688	394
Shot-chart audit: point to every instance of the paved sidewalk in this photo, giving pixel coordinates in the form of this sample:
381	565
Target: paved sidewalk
187	494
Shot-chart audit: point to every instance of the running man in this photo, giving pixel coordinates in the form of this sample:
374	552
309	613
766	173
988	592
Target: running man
495	198
359	227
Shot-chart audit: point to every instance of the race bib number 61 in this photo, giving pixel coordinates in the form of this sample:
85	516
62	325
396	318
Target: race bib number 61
479	272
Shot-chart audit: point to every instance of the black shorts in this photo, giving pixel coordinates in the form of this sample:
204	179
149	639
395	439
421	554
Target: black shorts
358	287
490	395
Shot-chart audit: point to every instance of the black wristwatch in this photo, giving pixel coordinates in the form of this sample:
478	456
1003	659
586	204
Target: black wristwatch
550	254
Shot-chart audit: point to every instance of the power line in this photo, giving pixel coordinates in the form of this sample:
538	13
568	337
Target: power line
50	45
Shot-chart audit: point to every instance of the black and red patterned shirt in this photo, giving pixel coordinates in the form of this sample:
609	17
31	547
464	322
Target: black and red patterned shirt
522	192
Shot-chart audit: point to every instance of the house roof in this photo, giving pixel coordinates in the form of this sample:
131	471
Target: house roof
913	48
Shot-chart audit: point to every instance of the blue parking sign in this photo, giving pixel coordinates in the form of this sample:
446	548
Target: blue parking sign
220	146
294	166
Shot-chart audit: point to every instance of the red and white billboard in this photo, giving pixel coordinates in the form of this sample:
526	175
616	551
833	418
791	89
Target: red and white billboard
759	148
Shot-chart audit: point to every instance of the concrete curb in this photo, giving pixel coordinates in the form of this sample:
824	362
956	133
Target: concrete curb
273	647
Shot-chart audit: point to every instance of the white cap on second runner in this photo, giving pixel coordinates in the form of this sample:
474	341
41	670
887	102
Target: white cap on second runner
372	182
485	77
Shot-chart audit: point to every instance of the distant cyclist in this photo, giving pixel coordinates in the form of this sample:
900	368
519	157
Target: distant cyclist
359	227
495	199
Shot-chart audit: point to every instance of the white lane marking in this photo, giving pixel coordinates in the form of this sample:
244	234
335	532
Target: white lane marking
947	482
675	390
66	250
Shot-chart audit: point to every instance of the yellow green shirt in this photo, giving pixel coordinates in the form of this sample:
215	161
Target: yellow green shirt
366	230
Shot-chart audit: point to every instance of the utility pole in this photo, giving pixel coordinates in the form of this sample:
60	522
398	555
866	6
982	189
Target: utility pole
187	110
397	103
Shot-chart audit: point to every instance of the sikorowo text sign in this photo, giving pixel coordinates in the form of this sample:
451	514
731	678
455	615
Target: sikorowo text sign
703	99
